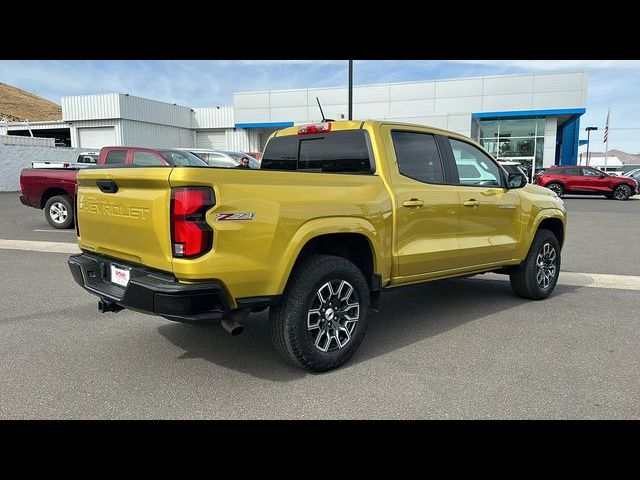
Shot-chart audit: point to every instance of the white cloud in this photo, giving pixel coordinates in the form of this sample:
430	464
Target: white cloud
542	65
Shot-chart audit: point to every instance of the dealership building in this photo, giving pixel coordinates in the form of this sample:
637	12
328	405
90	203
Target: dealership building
525	117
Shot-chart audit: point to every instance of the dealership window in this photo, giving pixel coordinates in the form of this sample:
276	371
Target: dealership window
520	140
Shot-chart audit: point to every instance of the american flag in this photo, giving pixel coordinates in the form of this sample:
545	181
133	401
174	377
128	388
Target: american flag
606	128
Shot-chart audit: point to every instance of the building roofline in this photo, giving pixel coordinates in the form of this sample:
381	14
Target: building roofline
523	74
126	95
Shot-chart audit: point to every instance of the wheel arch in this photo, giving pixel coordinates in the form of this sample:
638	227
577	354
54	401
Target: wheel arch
551	182
555	225
352	238
624	183
52	192
551	219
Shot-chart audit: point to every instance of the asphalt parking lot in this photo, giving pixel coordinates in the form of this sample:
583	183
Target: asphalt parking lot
451	349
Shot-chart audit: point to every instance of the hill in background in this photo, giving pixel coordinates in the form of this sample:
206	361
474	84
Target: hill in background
18	105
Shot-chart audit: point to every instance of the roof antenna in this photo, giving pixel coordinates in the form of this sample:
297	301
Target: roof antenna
322	113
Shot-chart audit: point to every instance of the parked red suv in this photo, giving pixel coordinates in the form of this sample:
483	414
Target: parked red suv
586	181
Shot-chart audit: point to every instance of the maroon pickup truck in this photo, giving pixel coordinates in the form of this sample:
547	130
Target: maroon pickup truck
53	189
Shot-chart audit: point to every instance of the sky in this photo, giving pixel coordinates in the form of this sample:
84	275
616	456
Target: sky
612	84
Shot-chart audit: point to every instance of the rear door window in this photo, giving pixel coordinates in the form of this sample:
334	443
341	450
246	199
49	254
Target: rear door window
417	156
344	151
572	171
116	157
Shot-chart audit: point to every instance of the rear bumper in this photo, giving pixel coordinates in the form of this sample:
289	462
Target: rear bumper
150	291
24	199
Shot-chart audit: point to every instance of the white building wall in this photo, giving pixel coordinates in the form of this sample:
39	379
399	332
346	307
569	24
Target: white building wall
116	106
244	140
442	103
27	141
16	156
213	117
152	135
90	107
152	111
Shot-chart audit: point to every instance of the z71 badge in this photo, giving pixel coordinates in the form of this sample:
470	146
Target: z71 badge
227	217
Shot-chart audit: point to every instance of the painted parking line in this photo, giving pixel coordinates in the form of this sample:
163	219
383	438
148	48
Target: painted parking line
591	280
39	246
56	231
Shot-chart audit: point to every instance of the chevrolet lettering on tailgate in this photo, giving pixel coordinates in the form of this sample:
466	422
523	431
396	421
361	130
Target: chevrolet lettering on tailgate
99	207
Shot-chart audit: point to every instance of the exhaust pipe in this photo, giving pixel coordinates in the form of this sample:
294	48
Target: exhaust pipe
231	326
231	322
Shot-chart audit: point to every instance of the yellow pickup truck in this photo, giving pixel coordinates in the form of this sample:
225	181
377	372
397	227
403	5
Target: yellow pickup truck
337	213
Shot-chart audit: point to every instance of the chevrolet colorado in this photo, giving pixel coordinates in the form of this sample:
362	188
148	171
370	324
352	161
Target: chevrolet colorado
337	213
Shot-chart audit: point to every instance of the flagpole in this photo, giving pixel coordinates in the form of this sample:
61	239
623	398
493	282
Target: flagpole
606	148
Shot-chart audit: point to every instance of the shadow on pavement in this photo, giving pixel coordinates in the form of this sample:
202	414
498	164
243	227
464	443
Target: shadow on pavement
411	314
408	315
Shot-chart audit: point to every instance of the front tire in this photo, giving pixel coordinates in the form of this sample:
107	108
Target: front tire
59	212
537	276
622	192
322	317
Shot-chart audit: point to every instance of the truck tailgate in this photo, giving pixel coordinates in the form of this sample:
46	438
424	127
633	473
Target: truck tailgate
130	224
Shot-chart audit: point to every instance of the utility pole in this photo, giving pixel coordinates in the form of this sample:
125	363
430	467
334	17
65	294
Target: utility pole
350	89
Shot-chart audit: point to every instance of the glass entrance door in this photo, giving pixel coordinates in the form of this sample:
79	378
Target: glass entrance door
519	140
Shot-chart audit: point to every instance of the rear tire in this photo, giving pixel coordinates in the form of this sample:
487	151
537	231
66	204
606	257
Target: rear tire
59	212
322	317
556	187
537	276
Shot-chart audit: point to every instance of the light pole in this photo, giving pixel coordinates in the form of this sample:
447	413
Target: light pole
350	90
588	129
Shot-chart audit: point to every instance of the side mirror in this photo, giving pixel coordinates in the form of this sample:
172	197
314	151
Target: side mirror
516	180
602	176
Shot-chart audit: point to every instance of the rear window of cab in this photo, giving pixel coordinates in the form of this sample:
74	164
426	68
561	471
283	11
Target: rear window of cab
344	151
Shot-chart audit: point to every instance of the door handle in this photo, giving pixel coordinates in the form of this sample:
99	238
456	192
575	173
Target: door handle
414	202
471	203
107	186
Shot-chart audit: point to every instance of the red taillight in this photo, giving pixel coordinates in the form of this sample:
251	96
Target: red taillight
191	236
21	185
314	128
75	210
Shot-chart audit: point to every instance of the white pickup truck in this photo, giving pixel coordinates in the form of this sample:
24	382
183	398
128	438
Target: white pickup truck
85	159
